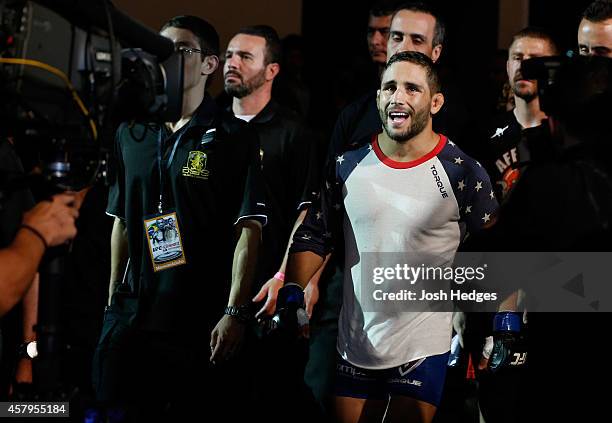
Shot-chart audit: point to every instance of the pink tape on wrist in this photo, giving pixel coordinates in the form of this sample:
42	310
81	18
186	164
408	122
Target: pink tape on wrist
280	276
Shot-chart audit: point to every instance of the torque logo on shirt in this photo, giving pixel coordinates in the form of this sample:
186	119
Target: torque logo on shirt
439	183
196	165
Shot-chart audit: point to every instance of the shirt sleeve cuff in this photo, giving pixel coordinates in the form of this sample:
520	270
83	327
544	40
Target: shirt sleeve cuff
304	205
261	218
114	214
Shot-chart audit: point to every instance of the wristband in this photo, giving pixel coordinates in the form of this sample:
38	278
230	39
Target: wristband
37	233
242	313
280	276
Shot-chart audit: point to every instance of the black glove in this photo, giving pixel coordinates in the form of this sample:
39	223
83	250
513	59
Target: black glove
509	346
290	319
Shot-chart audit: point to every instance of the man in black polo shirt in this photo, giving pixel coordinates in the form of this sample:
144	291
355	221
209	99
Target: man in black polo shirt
186	200
287	151
287	147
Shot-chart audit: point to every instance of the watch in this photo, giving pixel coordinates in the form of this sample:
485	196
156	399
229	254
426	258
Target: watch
242	313
27	350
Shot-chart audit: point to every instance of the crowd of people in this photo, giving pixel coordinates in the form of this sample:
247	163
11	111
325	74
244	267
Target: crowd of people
240	234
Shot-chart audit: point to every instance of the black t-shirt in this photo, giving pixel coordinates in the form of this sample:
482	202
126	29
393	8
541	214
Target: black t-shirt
562	204
289	169
209	197
500	153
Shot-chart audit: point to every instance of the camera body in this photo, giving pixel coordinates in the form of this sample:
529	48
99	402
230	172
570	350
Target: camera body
56	54
574	89
575	92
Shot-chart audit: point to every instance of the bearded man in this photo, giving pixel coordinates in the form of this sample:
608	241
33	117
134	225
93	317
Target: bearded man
502	137
410	192
287	152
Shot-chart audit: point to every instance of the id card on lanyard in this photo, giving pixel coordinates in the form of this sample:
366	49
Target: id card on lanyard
162	229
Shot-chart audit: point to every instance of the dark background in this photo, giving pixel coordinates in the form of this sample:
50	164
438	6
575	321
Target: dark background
337	69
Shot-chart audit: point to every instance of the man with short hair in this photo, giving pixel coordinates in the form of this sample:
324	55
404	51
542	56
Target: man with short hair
287	152
503	135
595	30
410	191
188	215
287	147
414	27
379	22
505	142
563	202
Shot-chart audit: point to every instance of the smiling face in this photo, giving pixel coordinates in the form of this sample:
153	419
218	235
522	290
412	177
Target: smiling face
405	102
595	38
522	49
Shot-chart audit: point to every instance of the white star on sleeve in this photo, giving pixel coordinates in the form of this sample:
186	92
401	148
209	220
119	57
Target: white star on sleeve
492	195
451	143
458	160
370	147
319	214
340	159
478	186
306	237
461	185
468	209
486	217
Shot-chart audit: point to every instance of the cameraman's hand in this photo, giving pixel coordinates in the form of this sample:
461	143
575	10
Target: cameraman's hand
23	372
269	291
55	219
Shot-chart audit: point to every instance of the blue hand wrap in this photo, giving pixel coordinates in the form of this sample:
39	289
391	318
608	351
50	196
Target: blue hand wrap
506	322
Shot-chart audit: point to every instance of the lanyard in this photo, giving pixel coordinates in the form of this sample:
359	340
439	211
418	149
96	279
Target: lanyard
159	164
